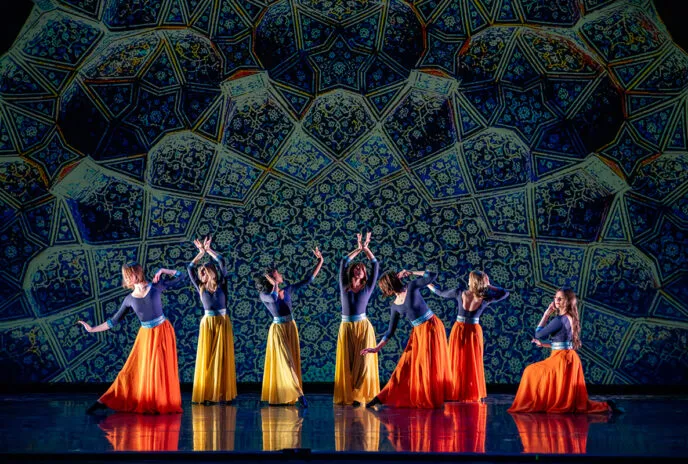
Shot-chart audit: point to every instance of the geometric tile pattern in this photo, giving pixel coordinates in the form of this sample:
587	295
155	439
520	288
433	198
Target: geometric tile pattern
545	142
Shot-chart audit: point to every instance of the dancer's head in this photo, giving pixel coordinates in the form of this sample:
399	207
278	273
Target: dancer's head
207	274
357	271
263	284
390	284
132	274
566	302
477	283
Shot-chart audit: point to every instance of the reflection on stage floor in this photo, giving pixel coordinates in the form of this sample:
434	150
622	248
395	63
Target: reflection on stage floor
56	423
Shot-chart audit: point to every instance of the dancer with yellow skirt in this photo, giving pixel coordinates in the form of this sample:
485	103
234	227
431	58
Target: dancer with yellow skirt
282	382
466	338
421	378
215	374
557	384
149	381
356	377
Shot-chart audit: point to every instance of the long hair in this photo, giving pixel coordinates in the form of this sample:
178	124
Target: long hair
390	284
476	284
132	274
211	282
350	273
263	285
572	310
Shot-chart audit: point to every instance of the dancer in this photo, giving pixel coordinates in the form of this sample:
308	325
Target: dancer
282	376
356	378
149	381
466	339
421	378
215	374
557	383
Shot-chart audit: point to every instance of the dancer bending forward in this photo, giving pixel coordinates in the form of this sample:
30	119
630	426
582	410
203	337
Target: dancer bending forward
421	378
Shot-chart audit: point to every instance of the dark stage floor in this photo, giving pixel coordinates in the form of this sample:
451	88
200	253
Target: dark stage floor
55	425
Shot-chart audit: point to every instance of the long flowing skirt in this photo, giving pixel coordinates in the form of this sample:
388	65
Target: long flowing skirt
149	381
215	374
466	361
282	376
356	377
421	378
555	385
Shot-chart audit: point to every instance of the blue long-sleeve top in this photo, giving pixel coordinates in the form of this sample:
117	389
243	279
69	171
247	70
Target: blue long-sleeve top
217	300
149	307
494	295
278	307
558	330
354	304
414	305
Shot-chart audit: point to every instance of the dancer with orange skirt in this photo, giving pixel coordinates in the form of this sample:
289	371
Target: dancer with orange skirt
149	381
557	384
356	377
282	382
421	378
215	374
466	338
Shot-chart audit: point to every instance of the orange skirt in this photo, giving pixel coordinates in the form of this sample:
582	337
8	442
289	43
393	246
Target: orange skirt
421	378
555	385
466	361
149	381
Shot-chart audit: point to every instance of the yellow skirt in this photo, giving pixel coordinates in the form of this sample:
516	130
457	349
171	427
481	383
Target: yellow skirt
215	375
282	376
356	377
214	427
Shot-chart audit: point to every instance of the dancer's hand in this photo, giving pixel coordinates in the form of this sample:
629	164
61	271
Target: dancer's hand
318	254
367	241
537	342
207	242
403	273
88	328
270	279
366	351
359	238
156	277
487	280
199	245
551	309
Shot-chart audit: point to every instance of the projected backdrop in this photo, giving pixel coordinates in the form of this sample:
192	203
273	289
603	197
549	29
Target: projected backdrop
544	142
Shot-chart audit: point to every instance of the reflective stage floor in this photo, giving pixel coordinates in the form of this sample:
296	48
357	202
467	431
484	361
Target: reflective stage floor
44	427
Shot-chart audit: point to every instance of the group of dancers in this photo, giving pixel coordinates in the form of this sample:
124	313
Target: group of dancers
430	371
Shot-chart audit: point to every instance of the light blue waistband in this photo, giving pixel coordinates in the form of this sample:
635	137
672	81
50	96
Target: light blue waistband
425	317
562	345
153	323
354	318
215	312
282	319
468	320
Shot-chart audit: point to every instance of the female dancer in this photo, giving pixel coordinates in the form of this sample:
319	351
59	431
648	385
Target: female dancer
356	378
421	378
149	380
557	383
466	339
215	374
282	376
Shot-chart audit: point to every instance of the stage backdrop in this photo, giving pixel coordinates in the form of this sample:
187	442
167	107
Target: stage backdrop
544	142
